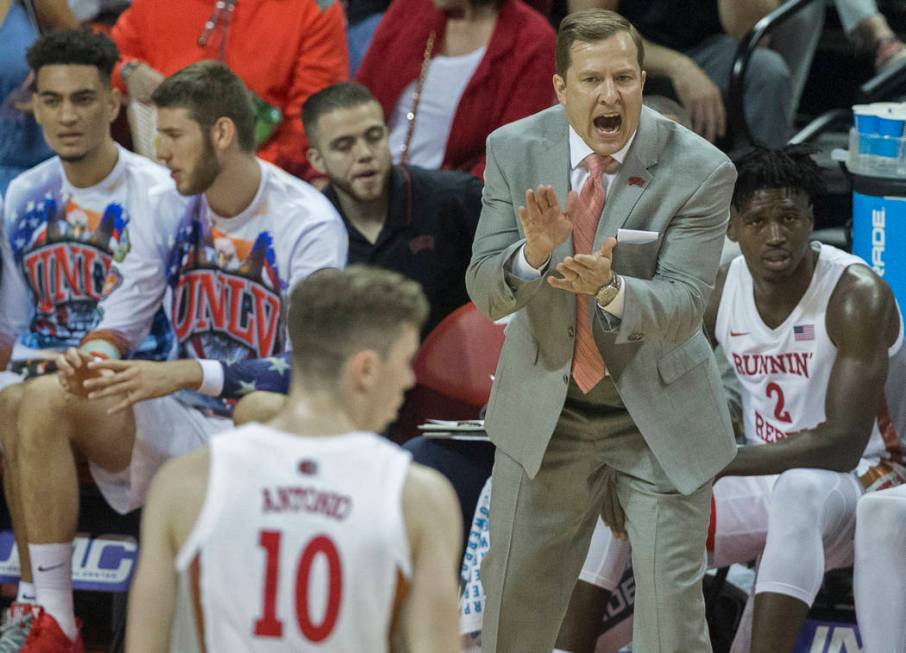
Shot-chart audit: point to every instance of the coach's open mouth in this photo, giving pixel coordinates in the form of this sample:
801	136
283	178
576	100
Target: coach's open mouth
608	124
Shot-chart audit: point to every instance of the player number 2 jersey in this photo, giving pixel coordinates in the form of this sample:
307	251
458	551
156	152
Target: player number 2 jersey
300	545
784	372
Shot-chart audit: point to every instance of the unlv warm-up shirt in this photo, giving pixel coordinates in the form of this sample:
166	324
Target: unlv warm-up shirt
229	277
300	545
58	244
784	372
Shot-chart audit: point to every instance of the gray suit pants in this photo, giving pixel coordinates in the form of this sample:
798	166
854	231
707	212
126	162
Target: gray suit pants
540	531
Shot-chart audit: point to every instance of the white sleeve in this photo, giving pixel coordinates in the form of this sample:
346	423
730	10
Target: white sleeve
15	297
523	269
323	244
136	285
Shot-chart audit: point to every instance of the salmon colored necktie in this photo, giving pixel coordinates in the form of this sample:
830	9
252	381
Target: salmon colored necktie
588	366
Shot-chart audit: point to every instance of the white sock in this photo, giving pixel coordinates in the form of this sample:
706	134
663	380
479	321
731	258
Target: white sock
51	569
26	593
560	650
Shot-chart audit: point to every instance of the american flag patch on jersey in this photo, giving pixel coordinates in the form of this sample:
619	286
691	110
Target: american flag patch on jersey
804	332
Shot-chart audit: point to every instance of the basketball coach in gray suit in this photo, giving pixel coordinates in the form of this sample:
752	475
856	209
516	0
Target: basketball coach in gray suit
605	376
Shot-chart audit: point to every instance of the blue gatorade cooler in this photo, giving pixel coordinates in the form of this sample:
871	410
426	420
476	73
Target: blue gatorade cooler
879	228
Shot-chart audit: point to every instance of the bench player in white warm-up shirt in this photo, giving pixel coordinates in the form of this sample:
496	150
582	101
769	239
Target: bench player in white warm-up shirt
815	339
64	224
310	533
221	251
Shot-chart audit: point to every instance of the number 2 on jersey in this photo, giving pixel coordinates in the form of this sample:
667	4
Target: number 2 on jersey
269	625
779	412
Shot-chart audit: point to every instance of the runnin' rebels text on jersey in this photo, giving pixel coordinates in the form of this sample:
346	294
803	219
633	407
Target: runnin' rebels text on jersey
784	372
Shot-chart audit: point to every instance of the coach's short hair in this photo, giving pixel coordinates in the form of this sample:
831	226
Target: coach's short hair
210	91
590	26
75	47
335	313
344	95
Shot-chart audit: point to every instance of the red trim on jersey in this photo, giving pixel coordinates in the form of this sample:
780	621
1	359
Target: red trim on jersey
712	525
399	596
889	433
195	589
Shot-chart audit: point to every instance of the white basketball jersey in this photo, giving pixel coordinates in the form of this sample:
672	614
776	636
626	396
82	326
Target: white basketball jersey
784	372
299	546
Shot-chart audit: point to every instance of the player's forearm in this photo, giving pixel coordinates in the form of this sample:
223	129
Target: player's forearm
815	448
187	373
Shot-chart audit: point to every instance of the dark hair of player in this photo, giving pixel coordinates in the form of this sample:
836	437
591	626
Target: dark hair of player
209	90
791	167
335	313
75	47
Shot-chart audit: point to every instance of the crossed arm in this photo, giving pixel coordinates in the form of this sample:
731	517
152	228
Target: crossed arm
859	304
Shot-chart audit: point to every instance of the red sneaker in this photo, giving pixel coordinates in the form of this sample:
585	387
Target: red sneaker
46	636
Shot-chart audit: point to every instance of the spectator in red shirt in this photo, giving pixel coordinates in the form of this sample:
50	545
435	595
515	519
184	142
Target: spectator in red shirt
488	63
284	51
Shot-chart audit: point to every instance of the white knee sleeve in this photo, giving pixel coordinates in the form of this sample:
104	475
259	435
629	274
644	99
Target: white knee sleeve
606	560
880	570
741	507
810	529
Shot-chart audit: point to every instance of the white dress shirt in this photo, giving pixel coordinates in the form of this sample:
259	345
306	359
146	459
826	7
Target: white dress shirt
578	173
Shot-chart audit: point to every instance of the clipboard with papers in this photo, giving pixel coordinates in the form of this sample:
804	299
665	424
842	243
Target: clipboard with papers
467	430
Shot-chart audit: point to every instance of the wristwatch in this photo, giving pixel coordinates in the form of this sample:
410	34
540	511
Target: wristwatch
609	290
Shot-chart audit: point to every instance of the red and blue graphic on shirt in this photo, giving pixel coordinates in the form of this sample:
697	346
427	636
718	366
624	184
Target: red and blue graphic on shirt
227	293
64	251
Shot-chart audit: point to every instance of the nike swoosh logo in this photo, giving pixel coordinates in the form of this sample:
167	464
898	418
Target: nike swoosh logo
51	568
734	334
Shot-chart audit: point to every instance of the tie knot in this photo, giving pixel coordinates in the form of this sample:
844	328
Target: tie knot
598	165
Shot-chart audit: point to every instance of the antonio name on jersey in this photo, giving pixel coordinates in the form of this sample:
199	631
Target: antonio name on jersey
295	499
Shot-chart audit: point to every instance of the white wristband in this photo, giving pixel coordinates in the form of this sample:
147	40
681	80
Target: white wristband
211	377
102	347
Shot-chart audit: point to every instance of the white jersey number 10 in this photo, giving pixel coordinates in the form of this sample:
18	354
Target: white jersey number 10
269	625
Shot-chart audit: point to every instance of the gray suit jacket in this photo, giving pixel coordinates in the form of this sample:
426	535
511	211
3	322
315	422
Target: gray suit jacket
672	182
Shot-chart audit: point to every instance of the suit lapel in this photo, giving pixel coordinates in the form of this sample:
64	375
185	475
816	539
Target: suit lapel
632	181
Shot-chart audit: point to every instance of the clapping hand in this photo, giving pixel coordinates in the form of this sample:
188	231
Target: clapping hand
584	274
545	224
